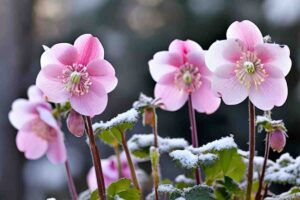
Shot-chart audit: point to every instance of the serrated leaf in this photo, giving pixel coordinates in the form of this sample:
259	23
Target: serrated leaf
118	186
130	194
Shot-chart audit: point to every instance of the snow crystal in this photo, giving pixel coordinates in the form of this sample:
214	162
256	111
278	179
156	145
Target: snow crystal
166	188
130	116
217	145
139	141
186	158
207	158
284	159
143	101
183	179
262	119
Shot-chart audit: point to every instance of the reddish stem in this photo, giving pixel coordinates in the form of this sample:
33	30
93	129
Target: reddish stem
71	184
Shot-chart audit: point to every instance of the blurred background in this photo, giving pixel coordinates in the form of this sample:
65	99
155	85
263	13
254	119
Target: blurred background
131	32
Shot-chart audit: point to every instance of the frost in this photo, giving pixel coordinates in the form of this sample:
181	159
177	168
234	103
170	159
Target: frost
180	198
217	145
183	179
130	116
262	119
207	158
140	141
143	101
186	158
166	188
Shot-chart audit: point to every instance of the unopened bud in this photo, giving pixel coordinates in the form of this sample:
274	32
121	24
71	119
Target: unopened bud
148	116
278	140
75	123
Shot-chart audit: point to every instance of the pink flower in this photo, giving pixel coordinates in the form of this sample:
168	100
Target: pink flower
75	123
110	171
77	73
38	131
181	71
278	140
244	66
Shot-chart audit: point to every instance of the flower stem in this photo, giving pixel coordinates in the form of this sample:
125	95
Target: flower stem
117	152
194	135
95	156
251	110
155	166
262	176
71	184
130	163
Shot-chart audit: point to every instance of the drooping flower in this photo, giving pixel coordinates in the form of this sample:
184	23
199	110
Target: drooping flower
181	71
244	66
77	73
38	131
75	123
277	140
110	171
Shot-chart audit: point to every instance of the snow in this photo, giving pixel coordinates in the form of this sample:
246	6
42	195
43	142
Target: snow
180	198
262	119
207	158
140	141
217	145
130	116
143	101
183	179
166	188
186	158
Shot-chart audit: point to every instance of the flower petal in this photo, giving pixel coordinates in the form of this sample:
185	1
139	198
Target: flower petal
49	82
222	53
104	73
46	116
204	99
88	48
197	58
159	70
272	92
274	57
167	79
231	90
35	94
247	32
183	47
92	103
57	152
171	97
33	146
168	58
65	53
22	112
48	58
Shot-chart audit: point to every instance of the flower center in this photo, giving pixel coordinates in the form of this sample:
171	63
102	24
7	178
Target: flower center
76	79
188	78
249	70
43	130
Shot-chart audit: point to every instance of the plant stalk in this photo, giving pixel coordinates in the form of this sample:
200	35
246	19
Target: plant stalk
117	152
194	135
95	156
262	176
155	167
71	184
251	110
130	163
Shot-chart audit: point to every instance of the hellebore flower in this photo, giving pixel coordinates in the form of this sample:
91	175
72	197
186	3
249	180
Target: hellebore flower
244	66
77	73
75	123
110	171
38	131
181	71
277	140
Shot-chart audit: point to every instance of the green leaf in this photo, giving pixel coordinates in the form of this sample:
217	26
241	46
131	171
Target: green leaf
118	186
231	185
130	194
230	164
94	195
199	192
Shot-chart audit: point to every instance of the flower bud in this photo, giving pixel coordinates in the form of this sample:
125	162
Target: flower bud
278	140
148	116
75	123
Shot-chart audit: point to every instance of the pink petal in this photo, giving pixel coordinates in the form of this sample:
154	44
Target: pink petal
222	53
204	99
171	97
48	80
92	103
46	116
57	152
159	70
35	94
91	179
103	73
33	146
22	112
184	47
225	71
48	58
197	59
65	53
167	79
272	92
245	31
168	58
231	90
89	48
274	57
